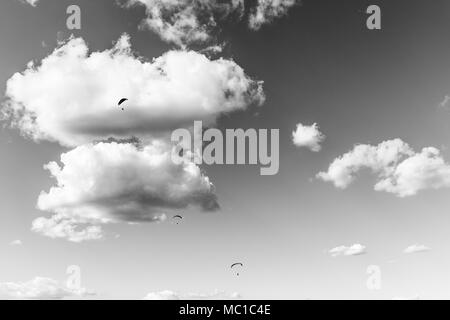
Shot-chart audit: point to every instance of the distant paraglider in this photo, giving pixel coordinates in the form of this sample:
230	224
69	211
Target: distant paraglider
236	265
122	101
177	218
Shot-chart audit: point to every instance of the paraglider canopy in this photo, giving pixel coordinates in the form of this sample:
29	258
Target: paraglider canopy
235	265
122	101
177	218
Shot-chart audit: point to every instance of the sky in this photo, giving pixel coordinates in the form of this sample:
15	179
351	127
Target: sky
313	69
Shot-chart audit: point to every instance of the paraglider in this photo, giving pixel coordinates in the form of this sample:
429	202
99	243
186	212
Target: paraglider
236	265
122	101
177	218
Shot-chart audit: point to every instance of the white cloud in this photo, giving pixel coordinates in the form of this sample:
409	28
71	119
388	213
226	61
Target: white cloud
353	250
415	297
69	226
118	182
415	248
267	10
16	243
170	295
39	288
308	136
31	2
72	96
399	169
444	104
162	295
187	22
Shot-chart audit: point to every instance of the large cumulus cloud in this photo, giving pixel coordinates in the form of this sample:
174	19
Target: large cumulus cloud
71	96
399	169
118	182
121	169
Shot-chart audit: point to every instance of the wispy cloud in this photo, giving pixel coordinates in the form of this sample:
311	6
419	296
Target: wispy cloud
267	11
415	297
16	243
415	248
30	2
353	250
188	22
171	295
445	103
39	288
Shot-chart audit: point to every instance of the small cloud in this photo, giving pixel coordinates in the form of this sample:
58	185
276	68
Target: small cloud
392	261
415	248
353	250
41	289
267	11
32	3
62	37
171	295
445	103
308	136
214	49
16	243
416	297
162	295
